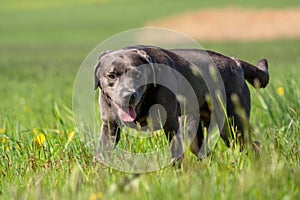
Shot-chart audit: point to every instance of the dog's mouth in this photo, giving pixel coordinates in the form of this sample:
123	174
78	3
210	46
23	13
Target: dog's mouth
126	114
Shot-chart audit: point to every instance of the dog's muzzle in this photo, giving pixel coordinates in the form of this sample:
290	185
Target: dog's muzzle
127	113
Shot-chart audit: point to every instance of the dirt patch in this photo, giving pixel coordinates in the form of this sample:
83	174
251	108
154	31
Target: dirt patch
235	24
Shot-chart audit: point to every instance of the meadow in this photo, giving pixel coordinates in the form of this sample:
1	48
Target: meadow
41	155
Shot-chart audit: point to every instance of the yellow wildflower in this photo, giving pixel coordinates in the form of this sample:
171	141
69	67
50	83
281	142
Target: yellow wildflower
280	91
7	148
96	196
40	139
26	109
3	140
70	135
2	130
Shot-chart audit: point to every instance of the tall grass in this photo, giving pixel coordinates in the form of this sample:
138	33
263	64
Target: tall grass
52	162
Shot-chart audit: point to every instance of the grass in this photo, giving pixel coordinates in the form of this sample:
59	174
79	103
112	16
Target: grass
41	154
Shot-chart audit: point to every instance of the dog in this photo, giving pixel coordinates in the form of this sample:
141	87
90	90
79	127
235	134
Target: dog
127	99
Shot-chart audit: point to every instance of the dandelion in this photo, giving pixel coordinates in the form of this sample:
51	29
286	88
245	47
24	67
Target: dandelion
280	91
96	196
7	148
39	139
26	109
2	130
70	135
3	140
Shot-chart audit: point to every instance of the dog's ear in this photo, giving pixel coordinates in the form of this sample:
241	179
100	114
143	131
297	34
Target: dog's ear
96	79
96	68
144	56
148	59
155	56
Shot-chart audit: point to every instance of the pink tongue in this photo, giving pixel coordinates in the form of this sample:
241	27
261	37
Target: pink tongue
127	114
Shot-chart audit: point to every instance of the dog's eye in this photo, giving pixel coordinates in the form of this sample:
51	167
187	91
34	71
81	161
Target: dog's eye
111	76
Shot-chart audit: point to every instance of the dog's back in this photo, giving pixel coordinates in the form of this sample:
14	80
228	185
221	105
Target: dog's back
258	75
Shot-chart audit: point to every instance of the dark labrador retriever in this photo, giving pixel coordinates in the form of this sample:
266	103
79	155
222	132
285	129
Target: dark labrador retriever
123	102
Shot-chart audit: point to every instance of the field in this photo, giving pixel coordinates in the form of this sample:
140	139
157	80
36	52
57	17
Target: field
42	45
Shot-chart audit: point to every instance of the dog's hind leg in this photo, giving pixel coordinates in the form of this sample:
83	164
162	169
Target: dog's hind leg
238	110
196	146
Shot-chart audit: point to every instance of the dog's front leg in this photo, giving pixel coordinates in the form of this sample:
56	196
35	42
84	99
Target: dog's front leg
109	138
175	138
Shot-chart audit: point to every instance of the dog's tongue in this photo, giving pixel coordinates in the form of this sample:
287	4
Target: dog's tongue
126	114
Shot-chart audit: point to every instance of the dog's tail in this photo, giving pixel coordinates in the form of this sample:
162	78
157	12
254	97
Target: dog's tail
258	75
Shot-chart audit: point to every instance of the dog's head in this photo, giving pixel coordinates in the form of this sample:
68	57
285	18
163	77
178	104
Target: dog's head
122	76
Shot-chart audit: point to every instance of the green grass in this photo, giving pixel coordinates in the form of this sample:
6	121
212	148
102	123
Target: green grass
41	48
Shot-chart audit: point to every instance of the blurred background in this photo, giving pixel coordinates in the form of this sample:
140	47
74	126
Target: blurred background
43	43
